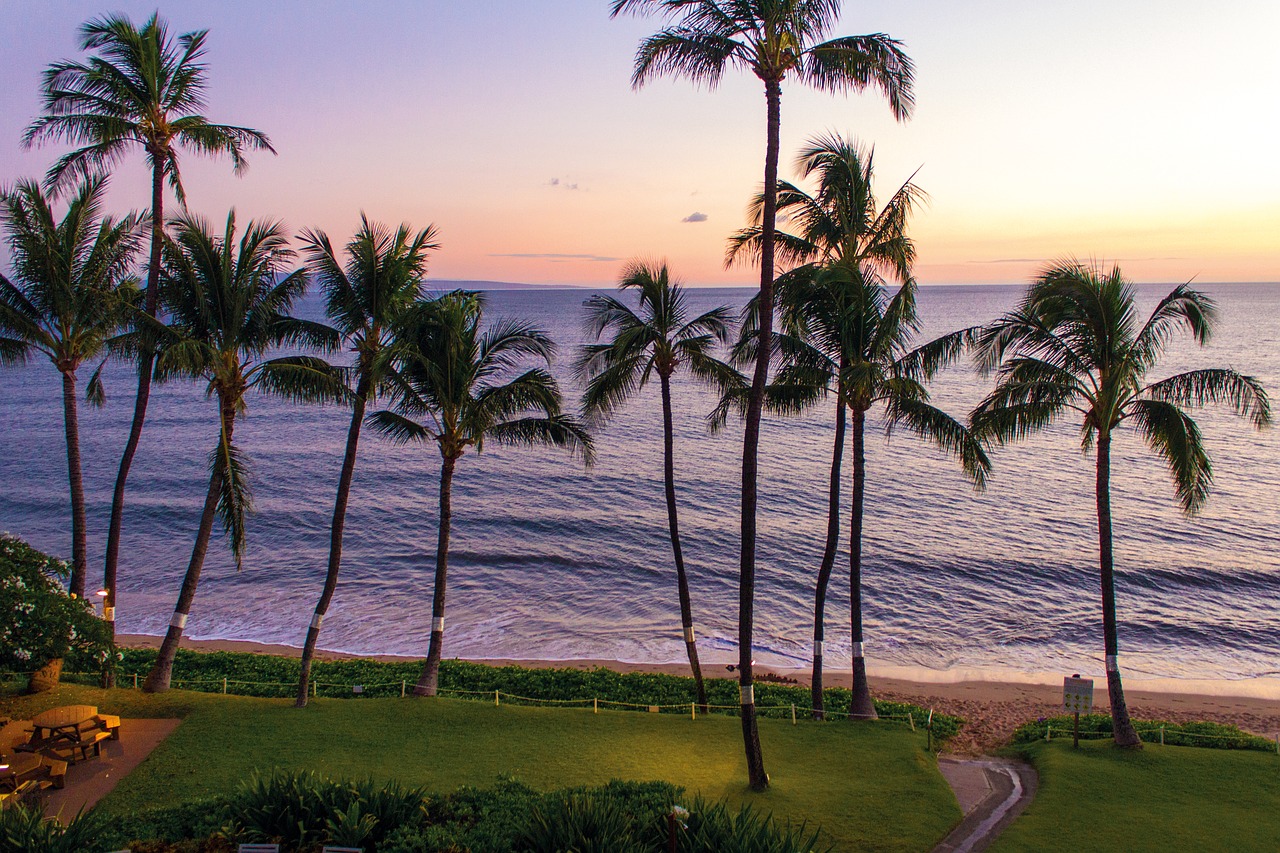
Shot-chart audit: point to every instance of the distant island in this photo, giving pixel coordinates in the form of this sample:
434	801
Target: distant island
457	284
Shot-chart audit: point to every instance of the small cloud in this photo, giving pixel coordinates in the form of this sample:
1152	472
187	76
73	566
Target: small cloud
553	256
695	217
556	182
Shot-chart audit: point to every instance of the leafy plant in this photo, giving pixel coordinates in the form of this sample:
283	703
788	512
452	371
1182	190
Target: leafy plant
581	822
713	828
24	829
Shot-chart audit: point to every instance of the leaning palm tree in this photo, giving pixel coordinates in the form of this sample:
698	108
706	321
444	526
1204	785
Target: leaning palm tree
771	38
141	89
228	306
68	298
453	389
1076	346
660	339
368	298
840	224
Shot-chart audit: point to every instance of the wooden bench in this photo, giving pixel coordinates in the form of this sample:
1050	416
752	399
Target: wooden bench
258	848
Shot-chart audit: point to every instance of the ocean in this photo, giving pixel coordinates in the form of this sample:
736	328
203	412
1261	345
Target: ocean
554	561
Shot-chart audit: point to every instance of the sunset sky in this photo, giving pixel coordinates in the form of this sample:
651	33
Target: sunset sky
1139	132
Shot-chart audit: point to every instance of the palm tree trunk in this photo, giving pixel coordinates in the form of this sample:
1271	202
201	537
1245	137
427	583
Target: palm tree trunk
828	560
79	538
145	358
682	580
335	537
757	778
428	682
1125	734
158	679
860	706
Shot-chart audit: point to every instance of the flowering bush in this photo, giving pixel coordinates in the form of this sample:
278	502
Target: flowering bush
39	621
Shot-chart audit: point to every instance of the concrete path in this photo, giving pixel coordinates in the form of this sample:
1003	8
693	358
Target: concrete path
992	792
91	780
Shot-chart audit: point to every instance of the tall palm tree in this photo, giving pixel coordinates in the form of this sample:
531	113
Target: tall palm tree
454	389
368	298
228	308
771	38
660	339
1076	346
841	224
141	89
68	298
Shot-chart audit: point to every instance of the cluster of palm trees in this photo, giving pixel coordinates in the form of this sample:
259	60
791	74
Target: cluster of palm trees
838	323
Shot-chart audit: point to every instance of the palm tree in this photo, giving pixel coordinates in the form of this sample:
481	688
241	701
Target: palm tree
228	305
839	225
368	298
453	388
771	38
141	89
660	339
72	288
1074	347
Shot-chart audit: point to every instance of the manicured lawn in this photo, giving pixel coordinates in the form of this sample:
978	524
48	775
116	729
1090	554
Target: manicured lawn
870	786
1158	799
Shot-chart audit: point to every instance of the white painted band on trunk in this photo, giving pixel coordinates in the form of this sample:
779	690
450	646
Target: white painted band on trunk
747	693
317	620
857	650
437	624
688	633
108	614
179	620
817	648
1112	665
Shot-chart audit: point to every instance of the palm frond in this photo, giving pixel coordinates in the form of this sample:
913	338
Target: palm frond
558	431
1244	394
1172	434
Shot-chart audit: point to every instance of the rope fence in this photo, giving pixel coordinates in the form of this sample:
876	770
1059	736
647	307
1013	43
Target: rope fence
499	697
1159	734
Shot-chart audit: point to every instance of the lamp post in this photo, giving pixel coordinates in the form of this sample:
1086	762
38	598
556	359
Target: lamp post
108	616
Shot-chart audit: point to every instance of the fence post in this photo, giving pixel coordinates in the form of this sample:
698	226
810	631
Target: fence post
911	718
693	711
402	688
1048	732
135	681
315	688
495	698
793	713
595	705
1162	735
224	686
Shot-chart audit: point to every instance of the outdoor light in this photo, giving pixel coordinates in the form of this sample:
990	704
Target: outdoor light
102	593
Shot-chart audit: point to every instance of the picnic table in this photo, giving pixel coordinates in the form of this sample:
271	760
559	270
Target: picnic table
71	729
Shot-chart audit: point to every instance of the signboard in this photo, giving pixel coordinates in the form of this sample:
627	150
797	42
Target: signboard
1077	695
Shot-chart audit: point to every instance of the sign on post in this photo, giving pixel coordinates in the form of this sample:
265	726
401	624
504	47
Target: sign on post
1077	695
1077	699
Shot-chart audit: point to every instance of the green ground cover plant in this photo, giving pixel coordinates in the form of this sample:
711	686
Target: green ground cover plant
250	674
1092	726
1146	801
868	786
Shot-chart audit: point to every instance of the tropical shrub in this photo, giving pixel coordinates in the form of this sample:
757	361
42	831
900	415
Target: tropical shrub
39	621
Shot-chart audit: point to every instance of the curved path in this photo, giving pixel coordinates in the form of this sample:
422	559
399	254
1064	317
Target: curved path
992	792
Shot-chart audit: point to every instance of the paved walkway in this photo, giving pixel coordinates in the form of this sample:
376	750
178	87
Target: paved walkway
992	792
91	780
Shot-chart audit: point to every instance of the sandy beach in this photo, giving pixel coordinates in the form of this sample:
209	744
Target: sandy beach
992	708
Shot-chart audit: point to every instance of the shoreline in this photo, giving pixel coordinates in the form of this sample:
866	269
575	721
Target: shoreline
992	703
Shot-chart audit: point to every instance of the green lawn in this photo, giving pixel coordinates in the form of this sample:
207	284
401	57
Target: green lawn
870	786
1158	799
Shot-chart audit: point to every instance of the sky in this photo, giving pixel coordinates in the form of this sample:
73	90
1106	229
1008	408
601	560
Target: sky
1136	132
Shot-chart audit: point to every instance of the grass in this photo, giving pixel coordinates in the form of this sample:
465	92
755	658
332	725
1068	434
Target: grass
869	786
1159	798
